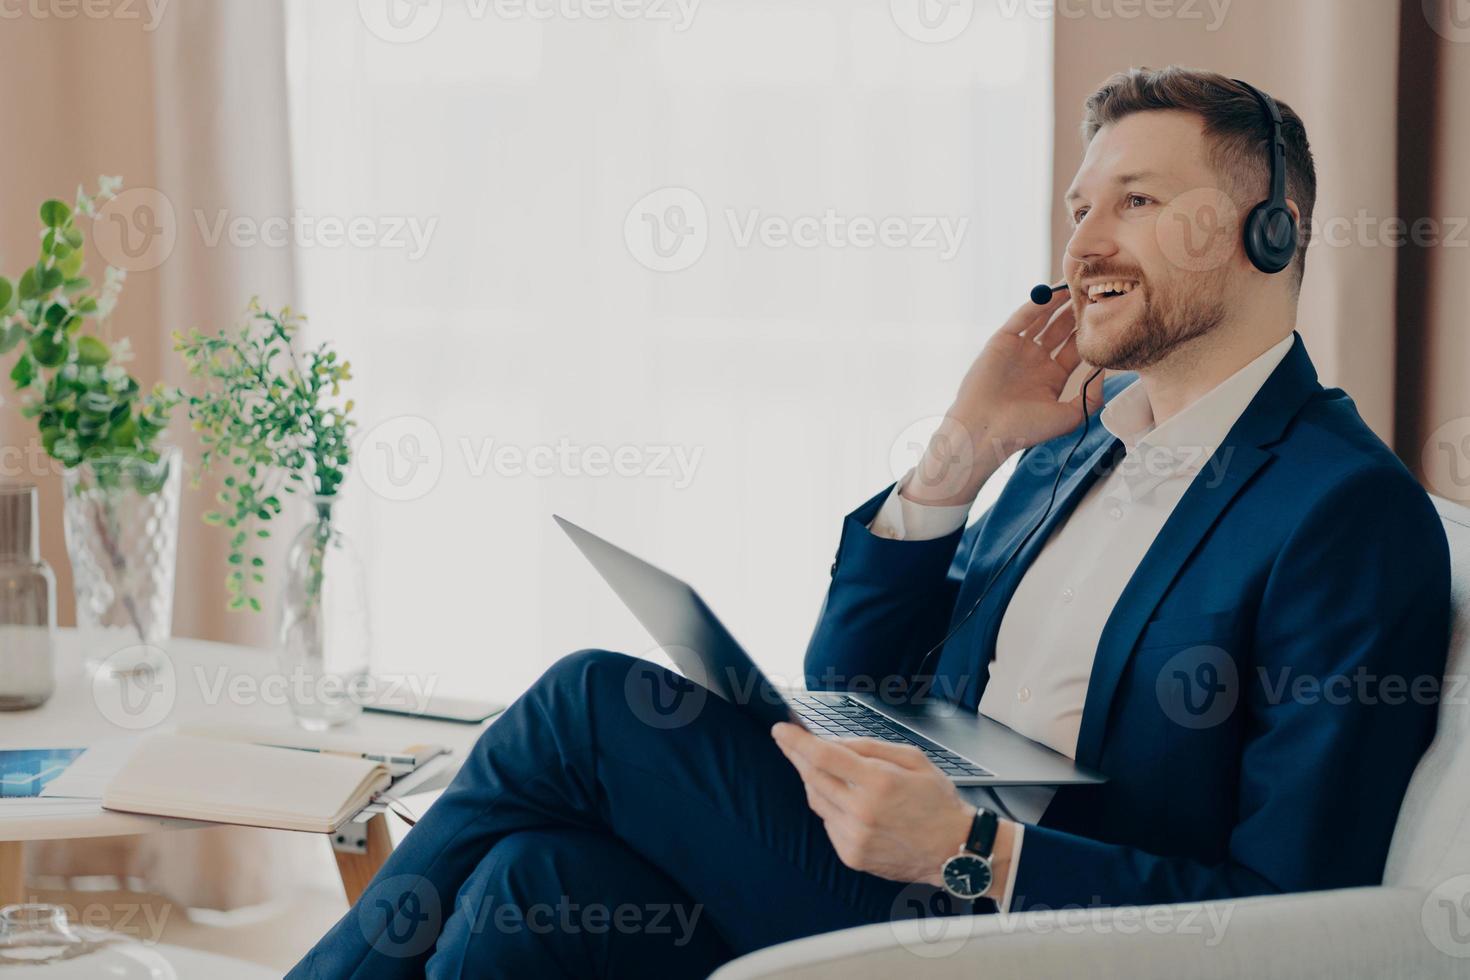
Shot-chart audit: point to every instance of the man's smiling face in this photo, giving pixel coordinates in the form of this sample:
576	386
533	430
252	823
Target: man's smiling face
1155	246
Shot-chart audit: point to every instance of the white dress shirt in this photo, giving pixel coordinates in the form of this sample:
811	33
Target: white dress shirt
1050	628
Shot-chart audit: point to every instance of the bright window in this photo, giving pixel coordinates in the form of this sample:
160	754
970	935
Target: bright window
711	375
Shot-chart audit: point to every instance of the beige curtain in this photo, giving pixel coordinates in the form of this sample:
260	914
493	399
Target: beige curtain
1384	89
192	109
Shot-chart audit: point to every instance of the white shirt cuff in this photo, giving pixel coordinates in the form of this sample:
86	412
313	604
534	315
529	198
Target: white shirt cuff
1003	900
903	520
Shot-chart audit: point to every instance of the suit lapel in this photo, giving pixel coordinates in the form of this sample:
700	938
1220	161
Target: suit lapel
969	652
1230	469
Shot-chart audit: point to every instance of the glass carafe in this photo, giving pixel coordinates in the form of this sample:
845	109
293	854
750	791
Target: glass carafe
37	941
322	635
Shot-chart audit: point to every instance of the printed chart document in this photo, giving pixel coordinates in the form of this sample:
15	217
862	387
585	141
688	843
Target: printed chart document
200	778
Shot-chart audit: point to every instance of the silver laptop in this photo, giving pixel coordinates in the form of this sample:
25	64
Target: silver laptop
971	749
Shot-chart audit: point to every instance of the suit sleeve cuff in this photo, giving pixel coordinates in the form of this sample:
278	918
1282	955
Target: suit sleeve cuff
900	519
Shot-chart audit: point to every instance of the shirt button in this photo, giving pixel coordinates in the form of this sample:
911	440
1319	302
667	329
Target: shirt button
1068	595
1115	512
1023	695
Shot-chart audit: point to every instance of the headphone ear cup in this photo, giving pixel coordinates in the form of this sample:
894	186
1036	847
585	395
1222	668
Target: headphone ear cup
1270	237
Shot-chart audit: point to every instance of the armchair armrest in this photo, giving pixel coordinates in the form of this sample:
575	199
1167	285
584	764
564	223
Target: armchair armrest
1377	932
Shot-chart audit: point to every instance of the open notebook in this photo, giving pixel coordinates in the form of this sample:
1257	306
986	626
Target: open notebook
196	778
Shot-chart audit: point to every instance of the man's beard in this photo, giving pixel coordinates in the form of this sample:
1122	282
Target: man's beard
1185	311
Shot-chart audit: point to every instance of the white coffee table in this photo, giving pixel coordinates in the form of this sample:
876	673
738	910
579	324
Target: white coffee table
203	682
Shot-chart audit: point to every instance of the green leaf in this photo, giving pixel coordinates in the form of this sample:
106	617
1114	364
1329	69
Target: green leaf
70	265
90	350
10	336
55	313
124	434
54	214
7	297
50	279
24	371
29	288
73	236
47	349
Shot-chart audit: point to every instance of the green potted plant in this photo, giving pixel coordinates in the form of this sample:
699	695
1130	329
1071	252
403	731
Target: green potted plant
121	484
270	415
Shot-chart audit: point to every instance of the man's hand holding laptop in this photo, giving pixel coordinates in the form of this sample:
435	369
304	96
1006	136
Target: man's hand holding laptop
887	809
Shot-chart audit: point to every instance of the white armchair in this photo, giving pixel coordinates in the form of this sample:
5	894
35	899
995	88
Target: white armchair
1415	926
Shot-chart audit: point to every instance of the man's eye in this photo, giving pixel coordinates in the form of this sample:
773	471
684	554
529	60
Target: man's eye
1137	200
1078	215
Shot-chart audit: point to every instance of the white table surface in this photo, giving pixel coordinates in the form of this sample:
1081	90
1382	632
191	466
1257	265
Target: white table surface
202	683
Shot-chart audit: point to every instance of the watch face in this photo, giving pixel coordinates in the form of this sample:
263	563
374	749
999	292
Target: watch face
966	875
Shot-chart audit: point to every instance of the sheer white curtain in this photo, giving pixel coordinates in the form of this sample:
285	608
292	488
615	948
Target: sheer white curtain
692	275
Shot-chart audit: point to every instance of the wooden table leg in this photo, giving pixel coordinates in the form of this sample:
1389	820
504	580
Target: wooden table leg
358	869
12	872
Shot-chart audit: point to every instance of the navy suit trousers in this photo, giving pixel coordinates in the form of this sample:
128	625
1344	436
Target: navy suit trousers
617	820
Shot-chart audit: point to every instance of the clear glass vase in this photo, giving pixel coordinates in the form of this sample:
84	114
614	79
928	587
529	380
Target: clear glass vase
27	603
323	636
122	530
38	941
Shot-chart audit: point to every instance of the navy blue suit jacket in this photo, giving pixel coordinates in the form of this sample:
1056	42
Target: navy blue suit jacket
1264	686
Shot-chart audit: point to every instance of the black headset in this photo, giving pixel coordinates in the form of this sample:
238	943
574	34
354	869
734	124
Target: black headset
1270	230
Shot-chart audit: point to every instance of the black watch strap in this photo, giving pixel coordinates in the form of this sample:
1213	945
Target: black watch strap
982	832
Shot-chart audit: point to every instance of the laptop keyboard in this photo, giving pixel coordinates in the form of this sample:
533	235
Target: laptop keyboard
839	717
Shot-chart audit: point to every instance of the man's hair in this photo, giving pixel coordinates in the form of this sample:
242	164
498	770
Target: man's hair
1236	128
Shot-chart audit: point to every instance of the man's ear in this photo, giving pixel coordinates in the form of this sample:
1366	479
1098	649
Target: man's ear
1296	216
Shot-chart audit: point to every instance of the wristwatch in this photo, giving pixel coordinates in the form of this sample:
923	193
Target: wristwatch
968	874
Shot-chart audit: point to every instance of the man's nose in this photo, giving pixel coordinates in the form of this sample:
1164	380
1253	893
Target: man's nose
1093	239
